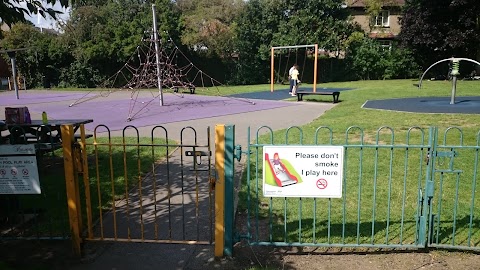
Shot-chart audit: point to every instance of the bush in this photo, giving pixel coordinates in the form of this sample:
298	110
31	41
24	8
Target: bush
79	75
368	60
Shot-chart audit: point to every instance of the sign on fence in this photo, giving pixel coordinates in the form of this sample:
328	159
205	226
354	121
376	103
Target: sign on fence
18	169
303	171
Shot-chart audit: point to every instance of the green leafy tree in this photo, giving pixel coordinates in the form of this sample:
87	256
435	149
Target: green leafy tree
368	60
208	25
13	11
35	63
400	64
323	22
441	30
267	23
102	38
256	25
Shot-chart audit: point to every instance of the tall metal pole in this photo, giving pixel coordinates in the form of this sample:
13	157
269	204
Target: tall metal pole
272	72
11	54
315	69
454	89
157	52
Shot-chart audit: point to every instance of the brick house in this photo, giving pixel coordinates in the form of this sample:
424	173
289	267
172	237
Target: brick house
384	27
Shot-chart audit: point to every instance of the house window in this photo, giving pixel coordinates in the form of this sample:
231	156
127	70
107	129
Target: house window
385	44
382	19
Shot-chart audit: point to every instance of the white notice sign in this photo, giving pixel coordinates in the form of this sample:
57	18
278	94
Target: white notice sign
303	171
18	169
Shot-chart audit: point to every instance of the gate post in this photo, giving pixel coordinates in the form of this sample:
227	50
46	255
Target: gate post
425	229
71	182
224	195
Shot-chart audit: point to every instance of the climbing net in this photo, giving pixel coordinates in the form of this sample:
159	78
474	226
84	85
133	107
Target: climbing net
177	74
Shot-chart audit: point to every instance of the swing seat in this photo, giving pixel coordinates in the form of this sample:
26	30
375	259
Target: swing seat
334	94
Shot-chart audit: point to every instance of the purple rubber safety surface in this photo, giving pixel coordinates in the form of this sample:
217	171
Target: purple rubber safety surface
144	111
8	99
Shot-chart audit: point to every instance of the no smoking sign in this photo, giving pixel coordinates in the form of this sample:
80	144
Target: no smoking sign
322	183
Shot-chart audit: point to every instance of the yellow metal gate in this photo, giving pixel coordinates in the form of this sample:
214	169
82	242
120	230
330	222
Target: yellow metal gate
152	189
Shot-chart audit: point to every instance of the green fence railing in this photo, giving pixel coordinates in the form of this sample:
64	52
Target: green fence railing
395	192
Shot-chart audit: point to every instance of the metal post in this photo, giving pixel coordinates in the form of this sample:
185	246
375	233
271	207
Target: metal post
11	54
454	90
272	69
315	69
229	190
455	72
219	190
224	189
71	182
157	53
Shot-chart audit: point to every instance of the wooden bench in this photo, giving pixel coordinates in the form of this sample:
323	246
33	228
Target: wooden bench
335	95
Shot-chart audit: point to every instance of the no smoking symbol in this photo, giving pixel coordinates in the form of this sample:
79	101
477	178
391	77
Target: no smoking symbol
322	183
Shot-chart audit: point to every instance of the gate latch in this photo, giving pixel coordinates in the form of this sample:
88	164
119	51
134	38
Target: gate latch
197	155
238	152
448	156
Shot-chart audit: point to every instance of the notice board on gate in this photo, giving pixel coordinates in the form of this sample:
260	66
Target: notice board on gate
18	169
303	171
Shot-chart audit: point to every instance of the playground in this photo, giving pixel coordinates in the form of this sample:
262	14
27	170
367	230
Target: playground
280	111
114	109
312	113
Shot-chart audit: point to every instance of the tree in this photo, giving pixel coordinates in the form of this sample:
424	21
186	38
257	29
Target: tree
13	11
208	25
103	37
256	25
267	23
36	62
311	21
368	60
441	30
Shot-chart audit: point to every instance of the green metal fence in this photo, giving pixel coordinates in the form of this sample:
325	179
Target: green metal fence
454	222
409	188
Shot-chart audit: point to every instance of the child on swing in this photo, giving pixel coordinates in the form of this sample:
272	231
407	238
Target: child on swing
296	81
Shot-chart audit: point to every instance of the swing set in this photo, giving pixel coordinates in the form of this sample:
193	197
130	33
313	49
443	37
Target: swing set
276	73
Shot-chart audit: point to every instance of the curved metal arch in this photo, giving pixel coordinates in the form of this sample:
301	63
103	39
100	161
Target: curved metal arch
443	60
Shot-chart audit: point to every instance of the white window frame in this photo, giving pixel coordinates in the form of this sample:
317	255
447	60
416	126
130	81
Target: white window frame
386	44
382	19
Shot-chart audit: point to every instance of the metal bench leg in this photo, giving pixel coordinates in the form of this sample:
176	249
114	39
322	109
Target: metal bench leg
335	98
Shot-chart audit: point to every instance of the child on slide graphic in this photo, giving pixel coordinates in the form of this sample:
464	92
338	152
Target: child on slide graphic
277	166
